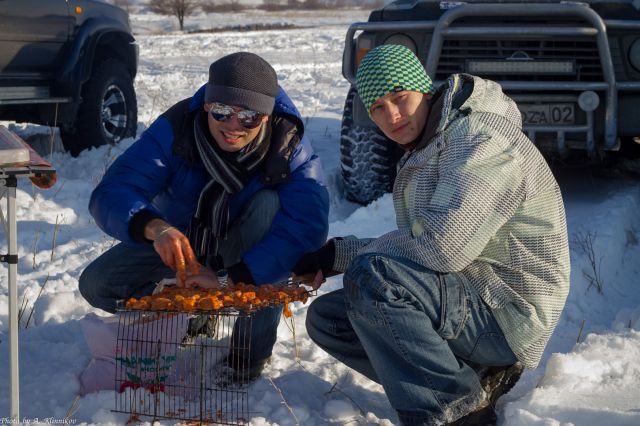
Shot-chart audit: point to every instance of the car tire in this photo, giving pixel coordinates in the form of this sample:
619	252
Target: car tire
368	158
108	112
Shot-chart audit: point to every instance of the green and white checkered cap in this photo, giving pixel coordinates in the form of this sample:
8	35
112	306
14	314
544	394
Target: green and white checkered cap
390	68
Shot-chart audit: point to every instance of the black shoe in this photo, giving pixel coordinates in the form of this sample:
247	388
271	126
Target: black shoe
496	381
201	325
240	370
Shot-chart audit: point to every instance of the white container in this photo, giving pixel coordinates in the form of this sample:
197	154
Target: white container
13	150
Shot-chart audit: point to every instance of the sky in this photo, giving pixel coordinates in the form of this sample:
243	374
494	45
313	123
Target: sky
589	374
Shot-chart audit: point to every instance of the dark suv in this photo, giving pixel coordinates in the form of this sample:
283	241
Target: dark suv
70	64
572	67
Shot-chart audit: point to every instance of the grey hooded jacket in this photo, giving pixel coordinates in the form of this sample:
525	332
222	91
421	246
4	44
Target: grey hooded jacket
475	197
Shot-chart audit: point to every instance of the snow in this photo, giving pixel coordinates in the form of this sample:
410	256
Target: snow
589	374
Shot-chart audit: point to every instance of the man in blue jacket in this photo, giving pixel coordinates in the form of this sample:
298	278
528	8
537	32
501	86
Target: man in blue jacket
224	179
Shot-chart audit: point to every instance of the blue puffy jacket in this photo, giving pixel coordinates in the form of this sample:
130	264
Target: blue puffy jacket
157	174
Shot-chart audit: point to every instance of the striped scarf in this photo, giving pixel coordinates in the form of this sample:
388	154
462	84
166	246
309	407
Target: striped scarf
229	173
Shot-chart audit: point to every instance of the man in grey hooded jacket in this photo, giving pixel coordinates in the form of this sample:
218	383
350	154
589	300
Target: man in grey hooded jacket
445	310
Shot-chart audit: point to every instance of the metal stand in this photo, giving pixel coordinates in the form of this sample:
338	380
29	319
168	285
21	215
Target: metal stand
10	182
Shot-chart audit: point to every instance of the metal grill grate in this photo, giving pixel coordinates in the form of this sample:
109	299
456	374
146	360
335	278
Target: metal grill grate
584	53
173	365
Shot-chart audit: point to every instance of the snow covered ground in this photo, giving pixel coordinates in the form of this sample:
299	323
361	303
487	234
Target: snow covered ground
590	374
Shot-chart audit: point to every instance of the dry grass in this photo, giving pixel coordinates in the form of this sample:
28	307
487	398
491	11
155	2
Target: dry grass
584	242
25	303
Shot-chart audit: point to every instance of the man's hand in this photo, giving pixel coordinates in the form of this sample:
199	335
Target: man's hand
312	280
206	278
317	265
173	247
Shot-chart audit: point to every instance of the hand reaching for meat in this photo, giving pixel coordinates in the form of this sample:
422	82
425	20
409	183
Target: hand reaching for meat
174	249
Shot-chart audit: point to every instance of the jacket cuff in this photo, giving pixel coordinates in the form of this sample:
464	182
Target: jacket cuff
346	249
240	273
138	223
327	256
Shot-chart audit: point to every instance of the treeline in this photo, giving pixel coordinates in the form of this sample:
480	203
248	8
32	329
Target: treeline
274	5
183	8
225	6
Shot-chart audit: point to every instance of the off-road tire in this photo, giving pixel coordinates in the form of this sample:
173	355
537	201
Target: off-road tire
108	112
368	158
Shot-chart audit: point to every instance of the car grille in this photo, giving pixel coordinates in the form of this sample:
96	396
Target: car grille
584	53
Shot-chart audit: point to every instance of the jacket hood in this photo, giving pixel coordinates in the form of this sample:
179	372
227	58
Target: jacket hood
488	97
464	94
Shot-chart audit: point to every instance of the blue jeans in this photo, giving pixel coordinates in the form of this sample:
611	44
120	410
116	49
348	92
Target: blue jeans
415	331
126	271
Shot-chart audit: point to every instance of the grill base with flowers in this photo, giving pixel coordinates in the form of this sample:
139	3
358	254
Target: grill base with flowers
181	353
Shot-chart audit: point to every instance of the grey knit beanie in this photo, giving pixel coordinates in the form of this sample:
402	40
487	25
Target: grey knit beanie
243	79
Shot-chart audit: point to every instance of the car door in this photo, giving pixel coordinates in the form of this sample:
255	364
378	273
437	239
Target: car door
33	34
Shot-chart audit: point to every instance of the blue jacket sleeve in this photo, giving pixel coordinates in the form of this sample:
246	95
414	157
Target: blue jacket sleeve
133	180
300	226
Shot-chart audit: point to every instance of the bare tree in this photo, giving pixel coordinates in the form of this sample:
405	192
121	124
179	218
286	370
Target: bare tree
222	7
316	4
271	5
178	8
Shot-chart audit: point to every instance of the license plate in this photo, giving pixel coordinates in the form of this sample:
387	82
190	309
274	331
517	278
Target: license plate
547	114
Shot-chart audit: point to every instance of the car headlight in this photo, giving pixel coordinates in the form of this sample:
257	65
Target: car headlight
403	40
634	54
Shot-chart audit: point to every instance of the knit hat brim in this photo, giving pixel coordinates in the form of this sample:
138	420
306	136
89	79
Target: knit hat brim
236	96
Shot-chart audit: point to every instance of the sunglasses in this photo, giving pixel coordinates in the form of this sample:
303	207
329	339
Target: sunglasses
247	118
